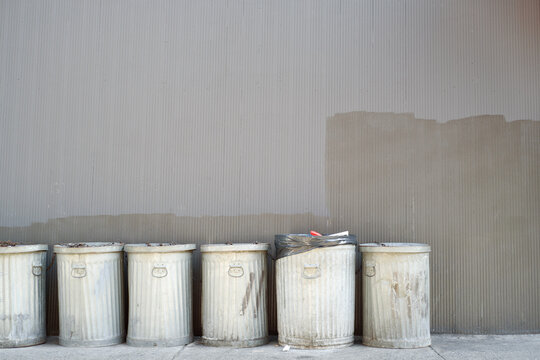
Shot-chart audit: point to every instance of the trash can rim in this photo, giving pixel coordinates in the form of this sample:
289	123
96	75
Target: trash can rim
88	247
23	248
158	248
394	247
235	247
328	236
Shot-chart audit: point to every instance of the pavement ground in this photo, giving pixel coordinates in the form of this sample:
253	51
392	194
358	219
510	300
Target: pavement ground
458	347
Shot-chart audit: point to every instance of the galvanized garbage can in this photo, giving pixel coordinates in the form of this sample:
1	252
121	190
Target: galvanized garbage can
22	294
160	296
234	278
395	288
315	290
90	293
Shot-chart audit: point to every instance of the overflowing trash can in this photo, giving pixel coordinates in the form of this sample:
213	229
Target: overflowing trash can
395	288
234	288
22	294
160	294
315	277
90	293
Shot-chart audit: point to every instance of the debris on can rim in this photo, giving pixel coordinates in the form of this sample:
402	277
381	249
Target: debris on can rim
235	247
17	248
391	247
158	248
88	247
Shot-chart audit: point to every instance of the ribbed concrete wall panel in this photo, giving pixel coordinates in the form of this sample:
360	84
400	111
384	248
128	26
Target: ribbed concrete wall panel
212	121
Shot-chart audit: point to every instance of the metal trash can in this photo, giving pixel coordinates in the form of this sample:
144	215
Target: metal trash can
160	295
234	288
315	290
22	294
90	293
395	287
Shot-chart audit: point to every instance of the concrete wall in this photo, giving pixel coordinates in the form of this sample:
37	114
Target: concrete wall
203	121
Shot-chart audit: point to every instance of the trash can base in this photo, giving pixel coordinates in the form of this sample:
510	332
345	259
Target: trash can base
91	343
235	343
321	344
160	343
16	343
398	344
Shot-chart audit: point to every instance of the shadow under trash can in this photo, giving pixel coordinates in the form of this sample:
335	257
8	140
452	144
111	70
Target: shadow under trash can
315	290
395	288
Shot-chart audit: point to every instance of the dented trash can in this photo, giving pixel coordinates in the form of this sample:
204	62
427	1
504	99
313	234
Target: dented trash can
395	289
90	293
160	294
22	294
234	288
315	290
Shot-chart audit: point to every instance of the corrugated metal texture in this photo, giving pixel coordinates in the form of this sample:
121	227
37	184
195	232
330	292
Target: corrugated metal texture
91	306
234	304
22	299
469	188
204	121
315	298
160	308
107	108
396	300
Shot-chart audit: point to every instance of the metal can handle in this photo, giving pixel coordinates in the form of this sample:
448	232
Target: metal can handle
311	271
159	270
236	270
369	269
37	269
78	270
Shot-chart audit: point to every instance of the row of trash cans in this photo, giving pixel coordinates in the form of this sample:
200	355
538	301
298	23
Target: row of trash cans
315	278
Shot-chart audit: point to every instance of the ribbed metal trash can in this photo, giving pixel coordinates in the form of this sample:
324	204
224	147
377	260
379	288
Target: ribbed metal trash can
22	295
395	288
315	297
90	293
234	288
160	295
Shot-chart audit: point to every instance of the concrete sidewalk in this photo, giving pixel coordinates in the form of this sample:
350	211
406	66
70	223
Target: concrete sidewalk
457	347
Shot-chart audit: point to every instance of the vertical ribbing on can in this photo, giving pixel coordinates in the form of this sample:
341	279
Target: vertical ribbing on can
160	299
315	298
91	307
395	288
234	298
22	299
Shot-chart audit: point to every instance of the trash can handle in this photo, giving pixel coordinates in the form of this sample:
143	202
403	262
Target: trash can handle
159	270
236	270
78	270
37	269
369	269
311	271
